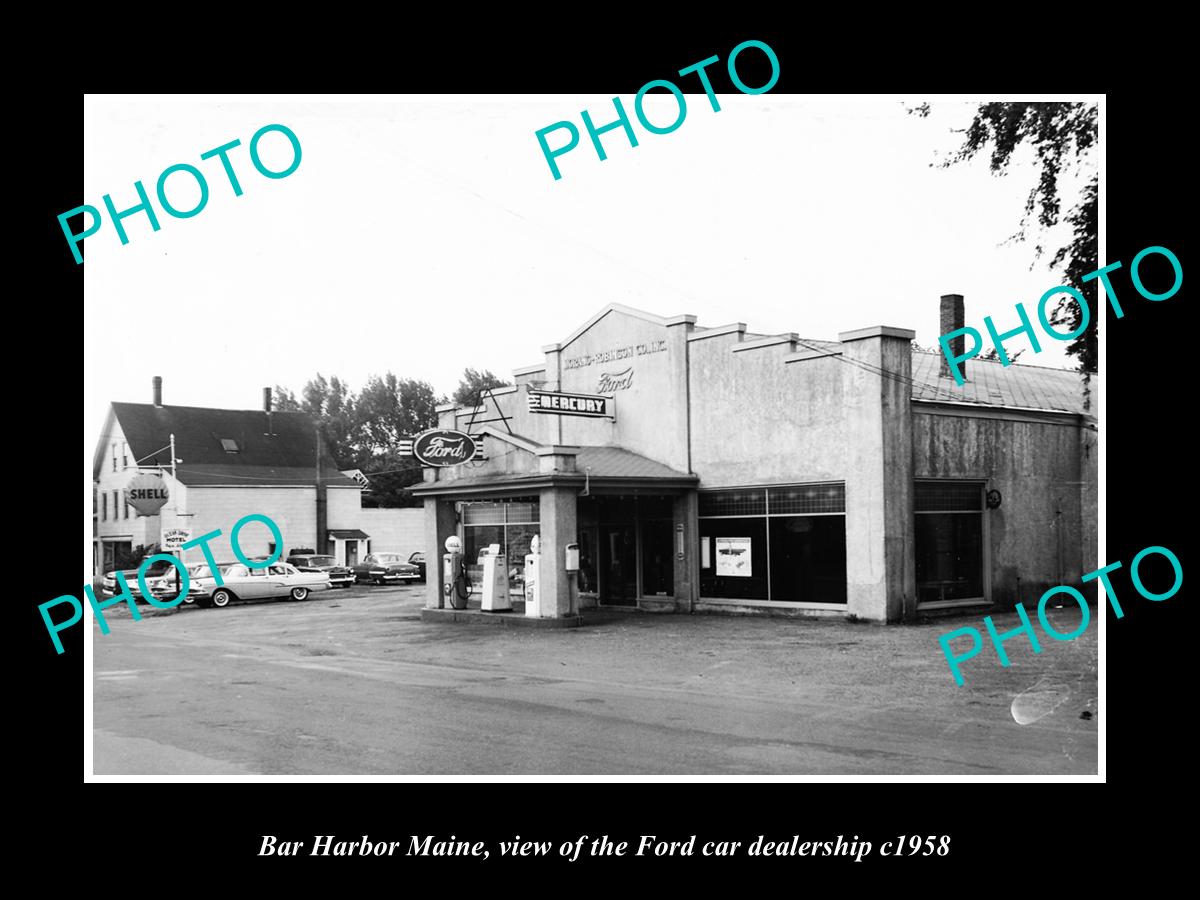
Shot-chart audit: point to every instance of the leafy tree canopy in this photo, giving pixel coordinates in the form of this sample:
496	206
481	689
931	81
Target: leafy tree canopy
473	384
363	430
1061	135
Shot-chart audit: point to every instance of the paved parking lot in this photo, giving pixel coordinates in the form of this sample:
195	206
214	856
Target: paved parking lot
352	682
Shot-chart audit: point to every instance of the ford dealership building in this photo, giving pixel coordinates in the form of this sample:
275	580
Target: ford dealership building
713	469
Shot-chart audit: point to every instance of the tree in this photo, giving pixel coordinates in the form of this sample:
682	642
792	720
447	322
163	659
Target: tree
1059	134
332	404
284	400
390	409
994	354
473	384
364	430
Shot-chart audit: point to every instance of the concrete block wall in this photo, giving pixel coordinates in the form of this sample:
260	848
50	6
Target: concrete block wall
394	530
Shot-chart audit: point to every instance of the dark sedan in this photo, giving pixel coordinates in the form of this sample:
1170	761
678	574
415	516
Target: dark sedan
418	559
339	576
385	568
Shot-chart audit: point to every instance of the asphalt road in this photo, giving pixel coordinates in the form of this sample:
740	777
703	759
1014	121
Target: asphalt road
352	682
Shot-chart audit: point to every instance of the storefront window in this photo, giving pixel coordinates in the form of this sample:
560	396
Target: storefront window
511	523
782	544
948	519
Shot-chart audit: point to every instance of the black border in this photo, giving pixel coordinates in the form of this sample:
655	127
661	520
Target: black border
1146	394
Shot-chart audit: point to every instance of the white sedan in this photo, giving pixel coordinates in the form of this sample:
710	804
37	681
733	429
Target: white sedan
243	583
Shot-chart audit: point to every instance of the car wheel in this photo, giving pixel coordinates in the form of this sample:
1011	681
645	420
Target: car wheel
221	598
299	593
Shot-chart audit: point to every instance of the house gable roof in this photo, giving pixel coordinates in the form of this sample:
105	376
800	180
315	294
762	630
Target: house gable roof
284	456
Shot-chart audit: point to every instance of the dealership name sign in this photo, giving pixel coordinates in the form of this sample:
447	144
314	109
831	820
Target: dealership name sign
443	447
587	405
616	353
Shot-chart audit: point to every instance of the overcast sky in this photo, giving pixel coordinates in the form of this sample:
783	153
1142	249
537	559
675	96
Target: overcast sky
423	235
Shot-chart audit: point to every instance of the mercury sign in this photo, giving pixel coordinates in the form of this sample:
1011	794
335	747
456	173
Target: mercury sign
562	404
147	494
443	447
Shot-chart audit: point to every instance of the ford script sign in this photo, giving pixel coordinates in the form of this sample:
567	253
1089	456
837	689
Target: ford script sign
443	447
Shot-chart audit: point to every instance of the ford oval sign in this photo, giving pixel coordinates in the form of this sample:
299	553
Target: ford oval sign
443	447
146	494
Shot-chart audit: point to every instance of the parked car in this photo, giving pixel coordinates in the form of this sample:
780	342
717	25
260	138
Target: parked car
339	576
159	567
163	587
243	583
418	559
385	568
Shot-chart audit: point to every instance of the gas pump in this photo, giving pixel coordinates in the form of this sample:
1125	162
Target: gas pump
533	559
495	580
455	585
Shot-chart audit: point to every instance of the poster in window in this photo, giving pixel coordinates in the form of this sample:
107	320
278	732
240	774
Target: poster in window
733	557
705	553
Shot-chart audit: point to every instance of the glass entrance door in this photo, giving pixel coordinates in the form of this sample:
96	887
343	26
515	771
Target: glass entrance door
658	565
618	554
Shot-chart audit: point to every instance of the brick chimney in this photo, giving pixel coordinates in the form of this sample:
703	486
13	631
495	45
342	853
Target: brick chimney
267	408
952	320
158	391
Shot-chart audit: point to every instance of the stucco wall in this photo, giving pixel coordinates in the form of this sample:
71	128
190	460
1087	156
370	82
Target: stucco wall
1036	537
757	420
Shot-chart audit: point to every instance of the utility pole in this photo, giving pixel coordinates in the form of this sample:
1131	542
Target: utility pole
175	504
322	541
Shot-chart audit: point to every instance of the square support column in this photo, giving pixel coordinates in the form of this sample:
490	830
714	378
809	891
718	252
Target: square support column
440	523
685	511
880	568
558	528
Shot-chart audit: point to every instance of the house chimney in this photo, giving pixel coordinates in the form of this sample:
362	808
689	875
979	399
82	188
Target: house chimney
158	391
952	320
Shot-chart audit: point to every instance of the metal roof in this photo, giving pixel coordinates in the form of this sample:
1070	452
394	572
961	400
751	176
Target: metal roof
991	383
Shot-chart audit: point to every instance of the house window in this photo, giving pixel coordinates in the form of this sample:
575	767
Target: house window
229	445
114	449
103	506
949	526
785	544
116	508
124	455
125	503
